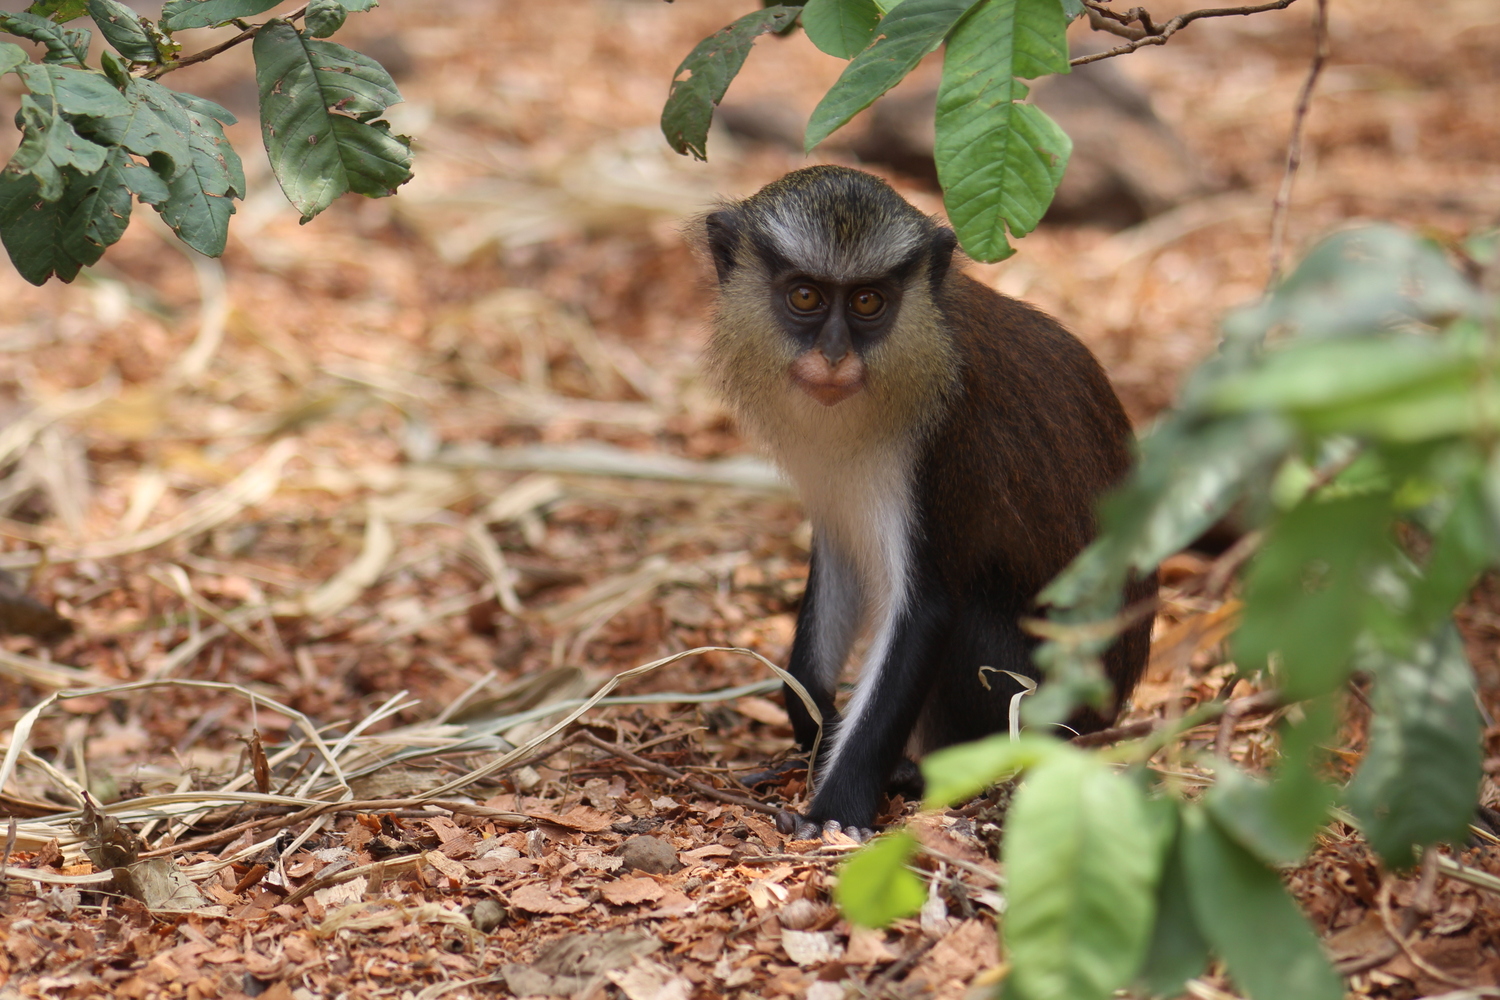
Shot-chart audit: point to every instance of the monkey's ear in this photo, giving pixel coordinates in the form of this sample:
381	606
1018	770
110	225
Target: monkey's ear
941	255
723	238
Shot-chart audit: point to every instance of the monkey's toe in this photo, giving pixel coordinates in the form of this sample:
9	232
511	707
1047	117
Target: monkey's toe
799	827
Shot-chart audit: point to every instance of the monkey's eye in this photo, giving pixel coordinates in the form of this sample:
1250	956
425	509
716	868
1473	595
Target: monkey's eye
805	299
867	303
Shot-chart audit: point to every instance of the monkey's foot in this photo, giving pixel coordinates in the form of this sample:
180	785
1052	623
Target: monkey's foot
799	827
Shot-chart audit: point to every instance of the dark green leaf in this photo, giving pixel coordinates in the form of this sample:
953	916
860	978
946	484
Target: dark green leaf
1177	951
201	196
1073	9
121	27
906	34
153	124
875	886
100	207
324	17
317	100
63	45
960	772
203	106
1307	595
710	68
49	143
62	236
1467	541
1082	860
1419	781
179	14
1247	917
11	56
75	91
59	11
840	27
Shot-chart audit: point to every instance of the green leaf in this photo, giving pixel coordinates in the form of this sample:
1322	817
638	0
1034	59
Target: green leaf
957	773
999	162
48	144
1082	859
317	100
75	91
62	236
1277	829
840	27
11	56
201	195
1177	951
153	124
1420	778
1073	9
359	6
121	27
907	33
63	45
1249	920
1307	595
710	68
203	106
875	886
179	14
59	11
324	17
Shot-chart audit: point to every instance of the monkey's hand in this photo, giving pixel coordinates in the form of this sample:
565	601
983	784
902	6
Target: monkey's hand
799	827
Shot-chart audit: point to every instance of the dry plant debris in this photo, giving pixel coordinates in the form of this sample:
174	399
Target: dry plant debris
344	525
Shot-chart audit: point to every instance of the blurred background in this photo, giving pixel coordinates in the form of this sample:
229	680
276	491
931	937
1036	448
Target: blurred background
441	441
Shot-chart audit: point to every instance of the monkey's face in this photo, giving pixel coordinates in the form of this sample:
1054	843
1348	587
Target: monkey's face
832	324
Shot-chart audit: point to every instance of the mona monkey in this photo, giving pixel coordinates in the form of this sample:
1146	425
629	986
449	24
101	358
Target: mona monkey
949	444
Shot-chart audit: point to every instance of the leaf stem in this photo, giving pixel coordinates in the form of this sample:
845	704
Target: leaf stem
209	53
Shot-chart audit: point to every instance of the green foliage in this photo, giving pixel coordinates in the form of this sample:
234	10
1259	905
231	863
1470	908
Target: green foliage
60	11
122	28
1246	916
319	105
1082	861
906	34
875	886
702	78
840	27
92	142
957	773
1000	161
1416	785
179	14
1177	951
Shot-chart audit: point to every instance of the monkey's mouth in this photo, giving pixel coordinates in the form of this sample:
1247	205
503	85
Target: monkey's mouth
829	384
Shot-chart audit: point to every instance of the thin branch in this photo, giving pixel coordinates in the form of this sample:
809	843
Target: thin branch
208	53
1279	208
1157	34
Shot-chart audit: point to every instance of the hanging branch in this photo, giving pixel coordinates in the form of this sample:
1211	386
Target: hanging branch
1137	25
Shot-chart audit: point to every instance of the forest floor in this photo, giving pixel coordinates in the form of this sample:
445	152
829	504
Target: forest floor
338	520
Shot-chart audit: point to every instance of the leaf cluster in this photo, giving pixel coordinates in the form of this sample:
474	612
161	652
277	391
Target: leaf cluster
96	139
999	159
1351	417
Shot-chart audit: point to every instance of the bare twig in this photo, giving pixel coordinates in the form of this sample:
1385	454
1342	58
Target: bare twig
1240	708
667	772
211	51
1400	937
1151	33
1279	208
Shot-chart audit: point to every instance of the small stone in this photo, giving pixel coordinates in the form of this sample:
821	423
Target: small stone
649	854
799	914
487	915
